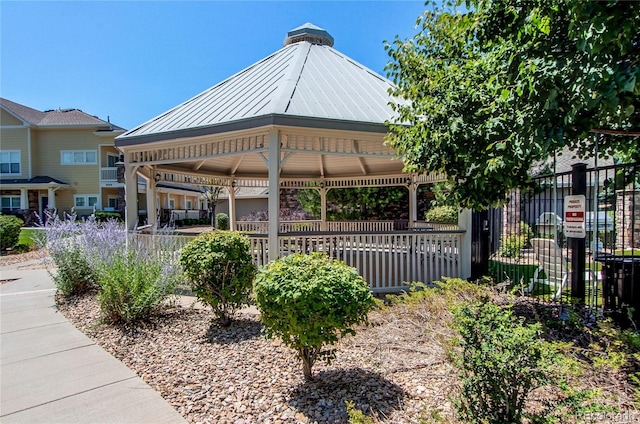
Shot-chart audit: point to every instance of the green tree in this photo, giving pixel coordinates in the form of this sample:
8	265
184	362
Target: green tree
494	88
211	194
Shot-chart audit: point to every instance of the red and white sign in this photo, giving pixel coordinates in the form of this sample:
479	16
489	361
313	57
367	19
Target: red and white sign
574	216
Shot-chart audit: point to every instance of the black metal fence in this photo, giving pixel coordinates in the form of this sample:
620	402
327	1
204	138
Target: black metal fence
590	269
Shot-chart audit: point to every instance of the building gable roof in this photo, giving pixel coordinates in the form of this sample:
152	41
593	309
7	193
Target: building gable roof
53	118
26	114
304	79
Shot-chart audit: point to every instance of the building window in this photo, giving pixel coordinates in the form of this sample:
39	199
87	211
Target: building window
78	157
189	204
112	202
86	201
11	203
172	204
10	162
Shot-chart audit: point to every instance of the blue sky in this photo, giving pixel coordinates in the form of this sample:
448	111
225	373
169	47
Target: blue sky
132	60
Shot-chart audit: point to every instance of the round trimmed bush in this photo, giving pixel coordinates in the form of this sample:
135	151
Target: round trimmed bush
222	221
309	301
10	227
221	270
442	214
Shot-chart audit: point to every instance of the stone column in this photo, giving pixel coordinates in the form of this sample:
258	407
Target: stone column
627	219
511	214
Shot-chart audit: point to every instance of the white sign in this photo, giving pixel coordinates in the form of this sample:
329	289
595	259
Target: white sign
574	216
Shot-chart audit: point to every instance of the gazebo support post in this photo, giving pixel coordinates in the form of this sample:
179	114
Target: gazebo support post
232	207
323	208
131	196
413	202
274	194
152	219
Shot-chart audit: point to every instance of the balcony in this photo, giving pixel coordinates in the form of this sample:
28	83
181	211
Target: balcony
109	177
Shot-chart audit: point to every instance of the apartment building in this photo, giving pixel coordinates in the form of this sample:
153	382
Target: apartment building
59	160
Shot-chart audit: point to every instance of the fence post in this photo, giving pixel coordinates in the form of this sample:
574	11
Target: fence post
464	252
479	244
578	245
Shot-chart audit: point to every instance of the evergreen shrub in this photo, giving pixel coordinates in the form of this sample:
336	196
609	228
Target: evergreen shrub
309	301
442	214
10	227
132	284
102	216
222	221
220	268
511	245
502	360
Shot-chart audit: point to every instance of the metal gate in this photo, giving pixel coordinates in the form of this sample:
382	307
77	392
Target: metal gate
611	224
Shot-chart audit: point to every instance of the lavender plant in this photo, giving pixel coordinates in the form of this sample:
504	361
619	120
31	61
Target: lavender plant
132	274
64	240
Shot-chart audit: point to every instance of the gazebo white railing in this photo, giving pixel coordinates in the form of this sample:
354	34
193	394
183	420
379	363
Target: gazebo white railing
387	261
262	227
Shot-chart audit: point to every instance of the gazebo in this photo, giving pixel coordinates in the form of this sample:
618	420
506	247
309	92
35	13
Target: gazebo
305	117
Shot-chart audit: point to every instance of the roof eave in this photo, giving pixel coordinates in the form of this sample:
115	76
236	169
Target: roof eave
70	126
17	186
251	123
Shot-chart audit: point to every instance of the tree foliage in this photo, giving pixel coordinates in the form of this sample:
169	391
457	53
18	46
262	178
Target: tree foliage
494	88
359	203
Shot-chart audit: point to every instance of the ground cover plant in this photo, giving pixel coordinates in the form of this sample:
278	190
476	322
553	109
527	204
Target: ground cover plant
220	268
309	302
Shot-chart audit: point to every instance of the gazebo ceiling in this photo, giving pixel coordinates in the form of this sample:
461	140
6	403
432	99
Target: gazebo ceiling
329	111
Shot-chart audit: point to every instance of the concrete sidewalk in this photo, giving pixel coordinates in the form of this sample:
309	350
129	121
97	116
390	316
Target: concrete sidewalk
50	372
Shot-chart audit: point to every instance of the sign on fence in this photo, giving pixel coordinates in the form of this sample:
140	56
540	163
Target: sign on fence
574	216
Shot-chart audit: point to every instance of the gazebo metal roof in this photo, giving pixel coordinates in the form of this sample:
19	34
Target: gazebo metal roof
305	83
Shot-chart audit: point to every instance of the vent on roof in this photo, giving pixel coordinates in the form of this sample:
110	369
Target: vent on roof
309	32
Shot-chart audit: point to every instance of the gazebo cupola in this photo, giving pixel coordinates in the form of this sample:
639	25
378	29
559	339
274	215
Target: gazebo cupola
310	33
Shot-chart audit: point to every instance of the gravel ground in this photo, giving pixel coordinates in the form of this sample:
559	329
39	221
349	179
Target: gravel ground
28	260
233	375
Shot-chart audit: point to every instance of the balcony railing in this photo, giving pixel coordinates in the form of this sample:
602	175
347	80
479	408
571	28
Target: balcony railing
109	174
